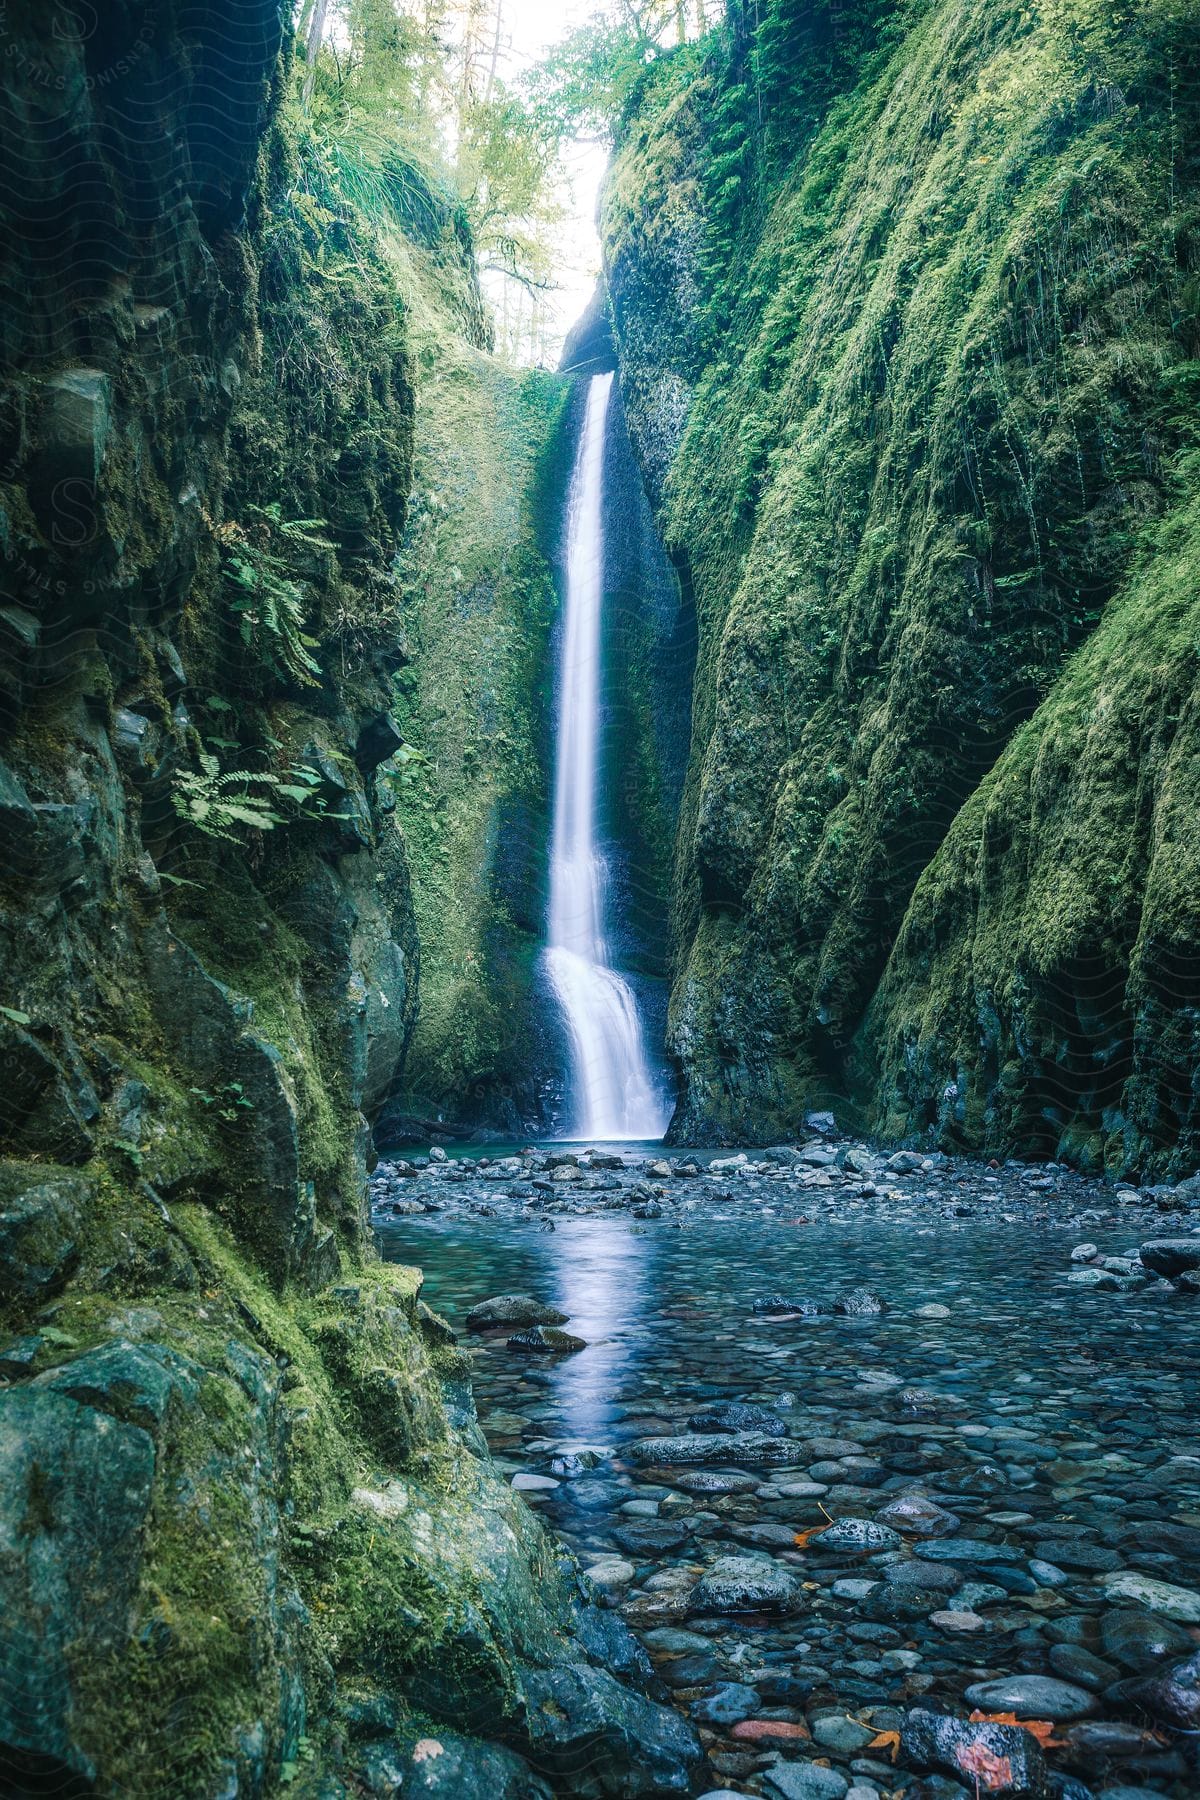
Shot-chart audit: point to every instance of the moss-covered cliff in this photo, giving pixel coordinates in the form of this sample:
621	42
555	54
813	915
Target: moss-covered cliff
473	701
249	1535
482	570
907	304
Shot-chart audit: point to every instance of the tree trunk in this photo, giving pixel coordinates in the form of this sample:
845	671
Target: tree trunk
470	46
491	80
312	48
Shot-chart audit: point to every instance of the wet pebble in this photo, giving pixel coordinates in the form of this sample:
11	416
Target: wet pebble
726	1704
838	1731
804	1781
1032	1697
1172	1695
649	1537
859	1535
1075	1663
1006	1756
1177	1603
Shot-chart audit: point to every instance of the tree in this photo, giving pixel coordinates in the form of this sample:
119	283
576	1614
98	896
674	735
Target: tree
314	37
410	118
508	171
582	86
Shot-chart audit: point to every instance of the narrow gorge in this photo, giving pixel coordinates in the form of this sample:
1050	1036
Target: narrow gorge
599	998
611	1094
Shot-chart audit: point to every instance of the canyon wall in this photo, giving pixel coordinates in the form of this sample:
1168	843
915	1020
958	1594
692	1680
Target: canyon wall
906	303
250	1537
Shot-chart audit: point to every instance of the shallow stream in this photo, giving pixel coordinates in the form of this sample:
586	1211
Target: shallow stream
1056	1424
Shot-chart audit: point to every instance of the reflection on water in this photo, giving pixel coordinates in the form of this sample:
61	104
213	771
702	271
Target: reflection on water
668	1318
600	1277
1061	1418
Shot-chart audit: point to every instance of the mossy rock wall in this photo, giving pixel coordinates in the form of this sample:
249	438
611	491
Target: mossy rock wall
1043	990
647	655
913	435
474	699
251	1539
482	569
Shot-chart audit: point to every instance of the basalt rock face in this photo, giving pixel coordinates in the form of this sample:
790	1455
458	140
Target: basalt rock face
590	348
920	433
247	1526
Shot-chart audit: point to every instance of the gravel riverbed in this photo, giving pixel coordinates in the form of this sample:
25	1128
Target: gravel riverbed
859	1444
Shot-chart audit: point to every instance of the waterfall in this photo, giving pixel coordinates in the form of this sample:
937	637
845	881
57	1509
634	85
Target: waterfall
611	1091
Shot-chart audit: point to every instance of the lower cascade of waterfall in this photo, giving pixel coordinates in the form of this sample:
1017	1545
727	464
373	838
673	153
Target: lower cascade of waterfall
612	1090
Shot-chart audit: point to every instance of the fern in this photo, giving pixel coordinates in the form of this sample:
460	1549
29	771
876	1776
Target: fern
268	601
217	804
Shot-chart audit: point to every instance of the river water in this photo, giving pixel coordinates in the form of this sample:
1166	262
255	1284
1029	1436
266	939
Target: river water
1056	1424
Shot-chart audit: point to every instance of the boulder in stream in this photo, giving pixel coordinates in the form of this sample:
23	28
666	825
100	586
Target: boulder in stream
547	1340
732	1415
596	1739
513	1309
749	1448
1171	1256
736	1584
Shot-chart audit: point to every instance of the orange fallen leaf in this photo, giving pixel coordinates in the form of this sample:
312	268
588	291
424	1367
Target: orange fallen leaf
768	1728
1041	1729
993	1771
803	1538
886	1740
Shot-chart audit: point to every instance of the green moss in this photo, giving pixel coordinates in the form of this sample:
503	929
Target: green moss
1060	910
279	388
249	947
204	1658
480	603
950	390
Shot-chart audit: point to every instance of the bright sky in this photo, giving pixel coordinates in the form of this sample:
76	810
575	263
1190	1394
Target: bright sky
529	28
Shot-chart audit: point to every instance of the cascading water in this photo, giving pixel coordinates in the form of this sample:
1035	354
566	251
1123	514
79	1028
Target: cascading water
611	1090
